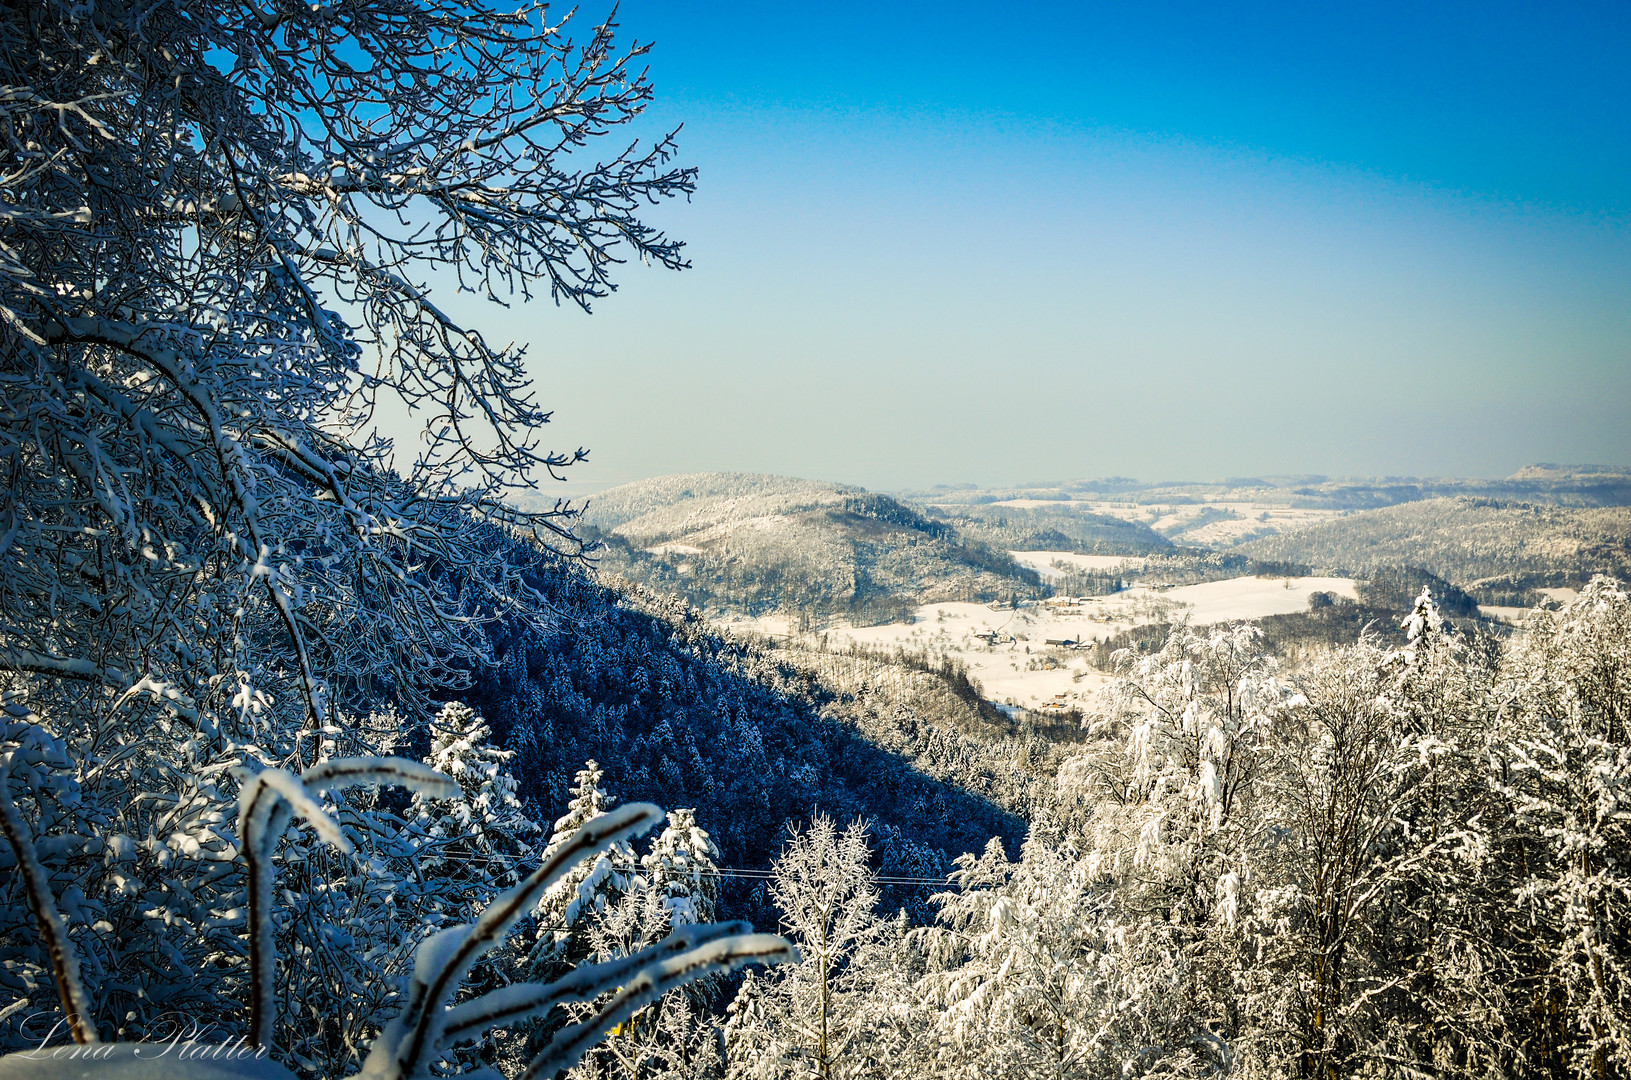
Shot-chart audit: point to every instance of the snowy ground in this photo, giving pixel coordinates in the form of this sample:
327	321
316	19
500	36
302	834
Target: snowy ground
1018	665
1516	615
1043	562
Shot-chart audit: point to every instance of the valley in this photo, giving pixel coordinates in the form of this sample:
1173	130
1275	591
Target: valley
1034	656
946	574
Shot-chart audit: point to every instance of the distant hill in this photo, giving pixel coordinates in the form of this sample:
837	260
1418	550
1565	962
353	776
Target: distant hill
1558	485
1465	540
1048	528
757	545
1222	514
667	507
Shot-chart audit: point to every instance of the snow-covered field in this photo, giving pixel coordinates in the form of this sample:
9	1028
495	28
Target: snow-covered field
1516	615
1235	520
1008	651
1043	561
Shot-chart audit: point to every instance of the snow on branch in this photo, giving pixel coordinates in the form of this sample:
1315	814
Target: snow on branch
409	1043
649	985
64	961
521	1001
266	804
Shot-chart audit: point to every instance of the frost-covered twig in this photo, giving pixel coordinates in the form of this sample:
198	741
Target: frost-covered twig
404	1049
64	962
521	1001
650	984
266	804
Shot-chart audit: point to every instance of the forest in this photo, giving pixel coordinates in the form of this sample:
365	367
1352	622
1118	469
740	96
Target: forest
322	755
1482	543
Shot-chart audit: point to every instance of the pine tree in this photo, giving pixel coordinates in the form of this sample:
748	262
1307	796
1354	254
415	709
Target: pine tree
592	887
487	825
680	868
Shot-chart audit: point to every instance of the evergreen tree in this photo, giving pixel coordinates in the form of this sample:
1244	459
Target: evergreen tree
487	825
680	869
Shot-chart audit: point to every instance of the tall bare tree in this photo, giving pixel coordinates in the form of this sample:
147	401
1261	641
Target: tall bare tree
218	226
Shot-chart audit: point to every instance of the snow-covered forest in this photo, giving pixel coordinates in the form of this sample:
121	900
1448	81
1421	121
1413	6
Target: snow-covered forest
319	754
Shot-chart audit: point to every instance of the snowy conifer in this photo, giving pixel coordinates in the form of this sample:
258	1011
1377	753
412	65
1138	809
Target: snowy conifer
590	887
487	825
680	868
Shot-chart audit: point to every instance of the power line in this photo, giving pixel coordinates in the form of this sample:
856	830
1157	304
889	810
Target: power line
765	875
754	874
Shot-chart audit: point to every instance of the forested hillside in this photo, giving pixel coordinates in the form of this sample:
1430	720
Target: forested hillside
752	739
1044	528
1465	541
760	545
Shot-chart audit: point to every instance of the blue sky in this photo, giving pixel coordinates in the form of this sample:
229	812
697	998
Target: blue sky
945	243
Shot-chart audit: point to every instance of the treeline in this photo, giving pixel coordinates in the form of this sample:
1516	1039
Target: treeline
1046	528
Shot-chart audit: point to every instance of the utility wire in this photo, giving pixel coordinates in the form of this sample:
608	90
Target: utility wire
743	872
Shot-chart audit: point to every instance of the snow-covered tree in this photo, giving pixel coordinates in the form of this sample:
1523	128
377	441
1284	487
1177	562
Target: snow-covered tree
1031	975
216	238
591	887
218	226
815	1018
1186	740
673	1038
677	886
681	870
1562	758
114	864
487	825
1319	976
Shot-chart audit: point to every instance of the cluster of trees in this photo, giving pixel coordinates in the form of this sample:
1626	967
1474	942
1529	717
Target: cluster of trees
1395	589
1400	862
1046	528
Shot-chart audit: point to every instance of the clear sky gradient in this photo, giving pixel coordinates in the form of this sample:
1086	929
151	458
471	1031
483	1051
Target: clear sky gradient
947	243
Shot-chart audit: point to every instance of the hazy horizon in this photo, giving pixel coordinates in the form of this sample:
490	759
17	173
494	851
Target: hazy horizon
945	245
577	485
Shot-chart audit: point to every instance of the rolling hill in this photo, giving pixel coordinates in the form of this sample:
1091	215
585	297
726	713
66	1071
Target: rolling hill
757	545
1468	541
1065	527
